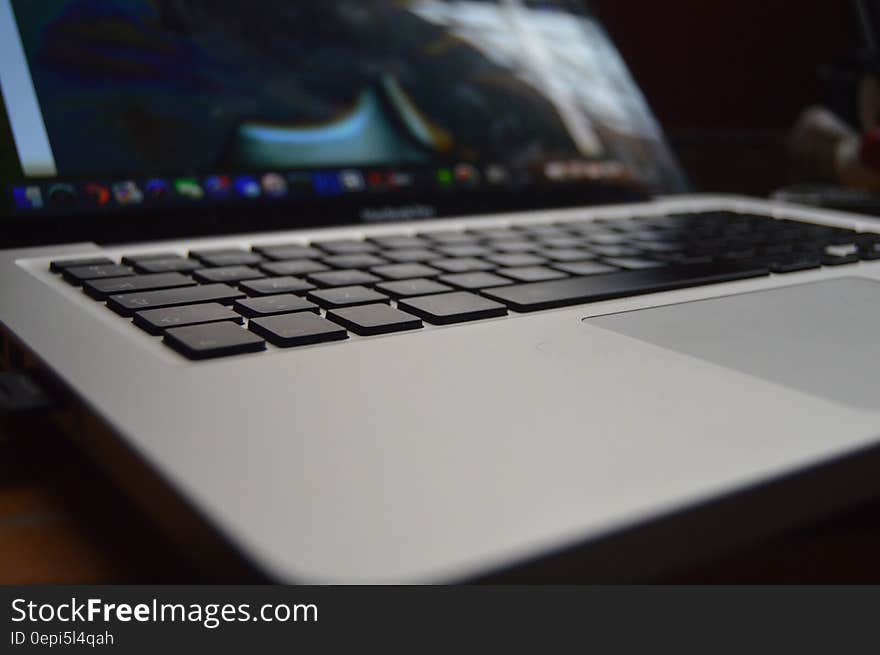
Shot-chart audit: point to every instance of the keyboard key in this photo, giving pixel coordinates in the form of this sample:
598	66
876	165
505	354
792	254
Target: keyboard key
303	329
462	265
410	256
273	285
369	320
478	280
562	242
362	260
59	265
133	260
343	278
633	263
496	234
155	321
79	274
226	257
229	274
288	252
418	287
511	260
346	297
575	291
463	250
404	271
449	237
585	268
870	249
615	251
100	289
170	265
515	246
794	262
286	303
295	267
566	254
213	340
531	273
128	303
837	254
399	243
345	246
456	307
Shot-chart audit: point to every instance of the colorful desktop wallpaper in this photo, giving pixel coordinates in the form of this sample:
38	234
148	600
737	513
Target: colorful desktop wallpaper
135	87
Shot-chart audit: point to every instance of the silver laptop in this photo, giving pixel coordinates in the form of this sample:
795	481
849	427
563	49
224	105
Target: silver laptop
414	292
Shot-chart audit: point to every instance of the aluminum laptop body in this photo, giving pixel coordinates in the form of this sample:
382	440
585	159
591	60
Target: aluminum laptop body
705	372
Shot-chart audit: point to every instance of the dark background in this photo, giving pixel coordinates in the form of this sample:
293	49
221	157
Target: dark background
727	80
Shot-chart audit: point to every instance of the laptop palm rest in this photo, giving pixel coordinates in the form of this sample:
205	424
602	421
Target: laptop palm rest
822	338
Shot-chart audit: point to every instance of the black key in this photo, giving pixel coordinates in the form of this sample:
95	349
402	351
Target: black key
545	231
449	238
288	252
409	256
268	305
343	278
578	290
496	233
794	262
399	243
477	280
585	268
463	250
226	257
368	320
273	285
361	260
633	263
79	274
566	254
562	242
133	260
170	265
607	238
870	249
835	255
515	246
100	289
213	340
531	273
404	271
346	297
418	287
615	251
301	329
513	259
462	265
295	267
229	274
345	246
61	264
155	321
128	303
456	307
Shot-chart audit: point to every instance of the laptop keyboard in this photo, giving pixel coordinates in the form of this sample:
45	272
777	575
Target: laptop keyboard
222	302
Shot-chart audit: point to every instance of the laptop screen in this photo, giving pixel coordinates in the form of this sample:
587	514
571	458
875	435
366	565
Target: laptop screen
115	106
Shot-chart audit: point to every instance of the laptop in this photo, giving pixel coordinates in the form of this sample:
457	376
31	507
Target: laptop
416	292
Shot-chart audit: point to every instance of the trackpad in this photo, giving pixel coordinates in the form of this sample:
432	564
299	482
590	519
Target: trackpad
822	337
